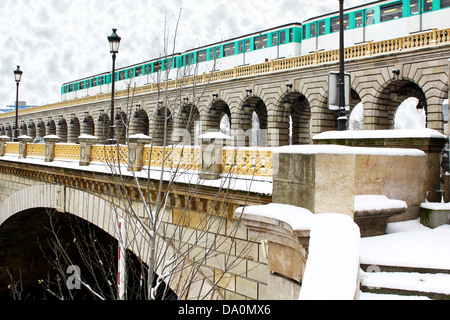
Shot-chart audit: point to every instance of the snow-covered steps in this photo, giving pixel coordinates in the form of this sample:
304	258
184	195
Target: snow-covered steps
396	282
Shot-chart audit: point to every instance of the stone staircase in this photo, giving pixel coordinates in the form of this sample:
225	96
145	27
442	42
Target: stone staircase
394	283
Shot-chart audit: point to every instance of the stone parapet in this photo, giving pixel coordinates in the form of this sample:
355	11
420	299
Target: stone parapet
326	178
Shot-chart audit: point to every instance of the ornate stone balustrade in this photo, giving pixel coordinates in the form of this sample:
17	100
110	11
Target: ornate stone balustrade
236	161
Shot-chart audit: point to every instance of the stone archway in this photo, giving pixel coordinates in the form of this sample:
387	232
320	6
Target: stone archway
105	215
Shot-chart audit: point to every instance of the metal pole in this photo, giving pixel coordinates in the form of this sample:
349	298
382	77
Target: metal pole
111	139
121	276
342	119
16	130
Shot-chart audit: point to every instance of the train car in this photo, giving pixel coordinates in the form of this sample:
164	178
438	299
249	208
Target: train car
374	21
275	43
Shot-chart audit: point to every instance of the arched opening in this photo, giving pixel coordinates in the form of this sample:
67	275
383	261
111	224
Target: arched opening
32	129
120	126
74	130
87	125
299	120
102	128
61	129
139	122
50	127
42	248
191	122
40	129
23	129
162	127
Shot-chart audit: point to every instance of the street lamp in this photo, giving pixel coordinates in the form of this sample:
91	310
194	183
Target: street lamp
18	77
114	42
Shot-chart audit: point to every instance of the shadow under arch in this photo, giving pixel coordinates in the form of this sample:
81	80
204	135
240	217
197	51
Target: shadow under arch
104	215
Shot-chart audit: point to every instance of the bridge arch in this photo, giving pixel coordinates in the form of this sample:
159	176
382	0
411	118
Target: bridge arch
104	215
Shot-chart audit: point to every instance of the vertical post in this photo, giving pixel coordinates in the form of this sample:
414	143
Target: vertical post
16	130
111	139
121	275
342	118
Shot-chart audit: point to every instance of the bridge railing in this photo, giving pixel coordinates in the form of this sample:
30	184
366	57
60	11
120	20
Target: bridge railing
234	160
415	41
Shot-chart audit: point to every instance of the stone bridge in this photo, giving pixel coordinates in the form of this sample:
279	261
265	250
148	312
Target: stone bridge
75	174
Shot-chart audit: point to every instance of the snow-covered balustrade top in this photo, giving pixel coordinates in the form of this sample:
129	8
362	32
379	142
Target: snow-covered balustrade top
378	204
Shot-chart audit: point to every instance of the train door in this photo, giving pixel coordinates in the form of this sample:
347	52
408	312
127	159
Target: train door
243	49
359	33
416	9
277	38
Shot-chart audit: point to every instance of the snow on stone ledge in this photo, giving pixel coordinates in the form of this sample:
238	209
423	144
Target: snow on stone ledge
338	149
380	134
332	267
377	202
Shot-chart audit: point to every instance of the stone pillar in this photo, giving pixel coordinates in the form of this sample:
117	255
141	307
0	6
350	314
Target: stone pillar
50	142
212	154
23	141
3	141
136	145
86	142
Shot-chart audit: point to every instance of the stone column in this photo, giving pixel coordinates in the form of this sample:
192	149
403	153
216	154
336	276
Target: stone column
3	141
212	154
136	145
23	141
86	142
50	142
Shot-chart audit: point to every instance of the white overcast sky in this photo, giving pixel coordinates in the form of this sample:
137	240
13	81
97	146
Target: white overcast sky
57	41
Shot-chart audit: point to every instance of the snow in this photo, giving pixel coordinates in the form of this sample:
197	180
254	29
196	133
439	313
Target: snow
215	135
331	271
338	149
377	202
435	205
378	134
408	244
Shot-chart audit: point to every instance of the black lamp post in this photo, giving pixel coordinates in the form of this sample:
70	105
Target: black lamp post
342	118
114	42
18	77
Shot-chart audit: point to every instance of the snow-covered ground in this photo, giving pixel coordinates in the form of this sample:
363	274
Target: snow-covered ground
407	244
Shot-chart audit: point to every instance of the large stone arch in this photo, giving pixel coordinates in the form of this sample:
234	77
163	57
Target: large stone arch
105	215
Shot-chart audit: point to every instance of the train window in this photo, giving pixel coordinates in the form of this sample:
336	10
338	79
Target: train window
148	68
228	50
428	5
214	53
445	4
129	73
138	71
414	7
243	43
157	66
75	87
261	42
312	30
322	27
282	37
101	80
335	23
391	12
88	83
94	82
201	56
121	75
82	85
291	35
304	32
370	17
70	87
359	22
274	39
